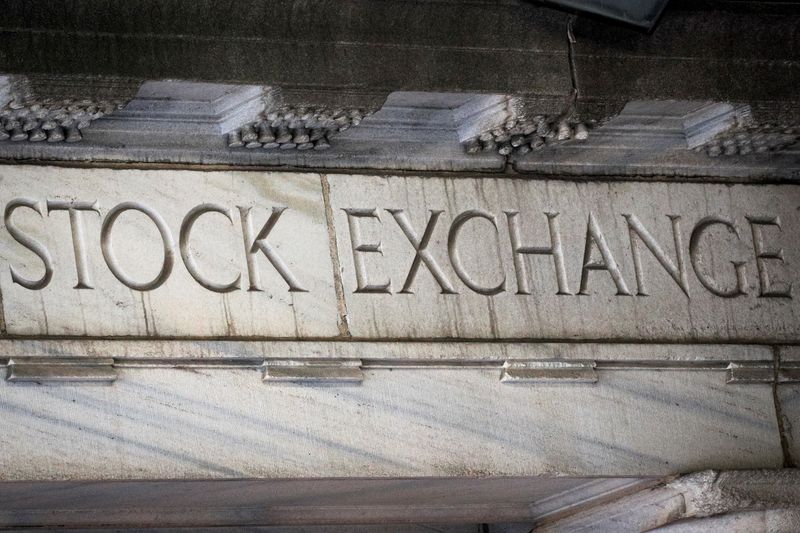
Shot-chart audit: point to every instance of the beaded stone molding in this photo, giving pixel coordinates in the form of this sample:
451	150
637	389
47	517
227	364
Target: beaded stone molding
300	128
27	118
523	135
190	122
755	139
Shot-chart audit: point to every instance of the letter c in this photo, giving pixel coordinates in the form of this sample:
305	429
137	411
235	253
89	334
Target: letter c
455	259
189	260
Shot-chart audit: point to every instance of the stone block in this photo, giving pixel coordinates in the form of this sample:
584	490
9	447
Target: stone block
139	256
788	404
395	504
498	258
212	422
593	260
6	83
174	113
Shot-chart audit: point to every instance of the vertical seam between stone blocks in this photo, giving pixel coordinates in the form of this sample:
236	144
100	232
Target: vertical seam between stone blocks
788	460
341	304
3	330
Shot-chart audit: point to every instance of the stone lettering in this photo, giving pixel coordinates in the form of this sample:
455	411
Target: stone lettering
455	259
189	260
597	254
555	249
108	250
595	238
766	288
28	242
422	255
694	253
359	247
676	272
75	210
253	245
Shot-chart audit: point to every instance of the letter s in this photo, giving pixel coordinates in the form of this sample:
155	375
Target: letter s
30	243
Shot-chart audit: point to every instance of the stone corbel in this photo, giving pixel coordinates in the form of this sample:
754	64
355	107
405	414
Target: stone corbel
548	372
61	369
314	371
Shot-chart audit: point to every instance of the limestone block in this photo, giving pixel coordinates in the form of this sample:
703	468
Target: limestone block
788	403
619	260
176	113
252	258
211	422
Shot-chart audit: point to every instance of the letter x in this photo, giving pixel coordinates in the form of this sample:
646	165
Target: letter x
422	254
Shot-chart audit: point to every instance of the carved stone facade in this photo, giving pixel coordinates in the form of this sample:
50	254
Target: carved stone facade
367	300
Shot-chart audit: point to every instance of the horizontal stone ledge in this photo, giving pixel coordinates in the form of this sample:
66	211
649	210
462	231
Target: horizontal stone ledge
448	353
176	121
195	503
338	372
342	363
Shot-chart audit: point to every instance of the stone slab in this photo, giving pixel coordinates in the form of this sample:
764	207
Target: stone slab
223	505
193	423
627	292
385	354
139	301
788	401
174	113
483	290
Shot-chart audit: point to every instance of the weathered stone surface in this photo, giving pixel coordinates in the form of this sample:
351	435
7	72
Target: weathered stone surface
788	404
147	296
451	350
174	113
737	500
770	521
225	422
633	261
232	503
597	288
642	511
654	138
189	122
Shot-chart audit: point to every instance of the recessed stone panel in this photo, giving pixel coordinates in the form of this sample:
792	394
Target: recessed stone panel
164	253
547	259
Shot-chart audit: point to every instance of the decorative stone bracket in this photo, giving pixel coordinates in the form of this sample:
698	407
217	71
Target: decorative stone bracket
526	372
763	372
314	371
61	369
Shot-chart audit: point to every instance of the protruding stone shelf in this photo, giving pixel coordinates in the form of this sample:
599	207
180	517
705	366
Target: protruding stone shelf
182	122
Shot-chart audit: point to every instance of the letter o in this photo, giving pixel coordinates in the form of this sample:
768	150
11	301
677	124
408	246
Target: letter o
108	251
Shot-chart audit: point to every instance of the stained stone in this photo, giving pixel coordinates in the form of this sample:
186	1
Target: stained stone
606	283
146	294
719	262
169	423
